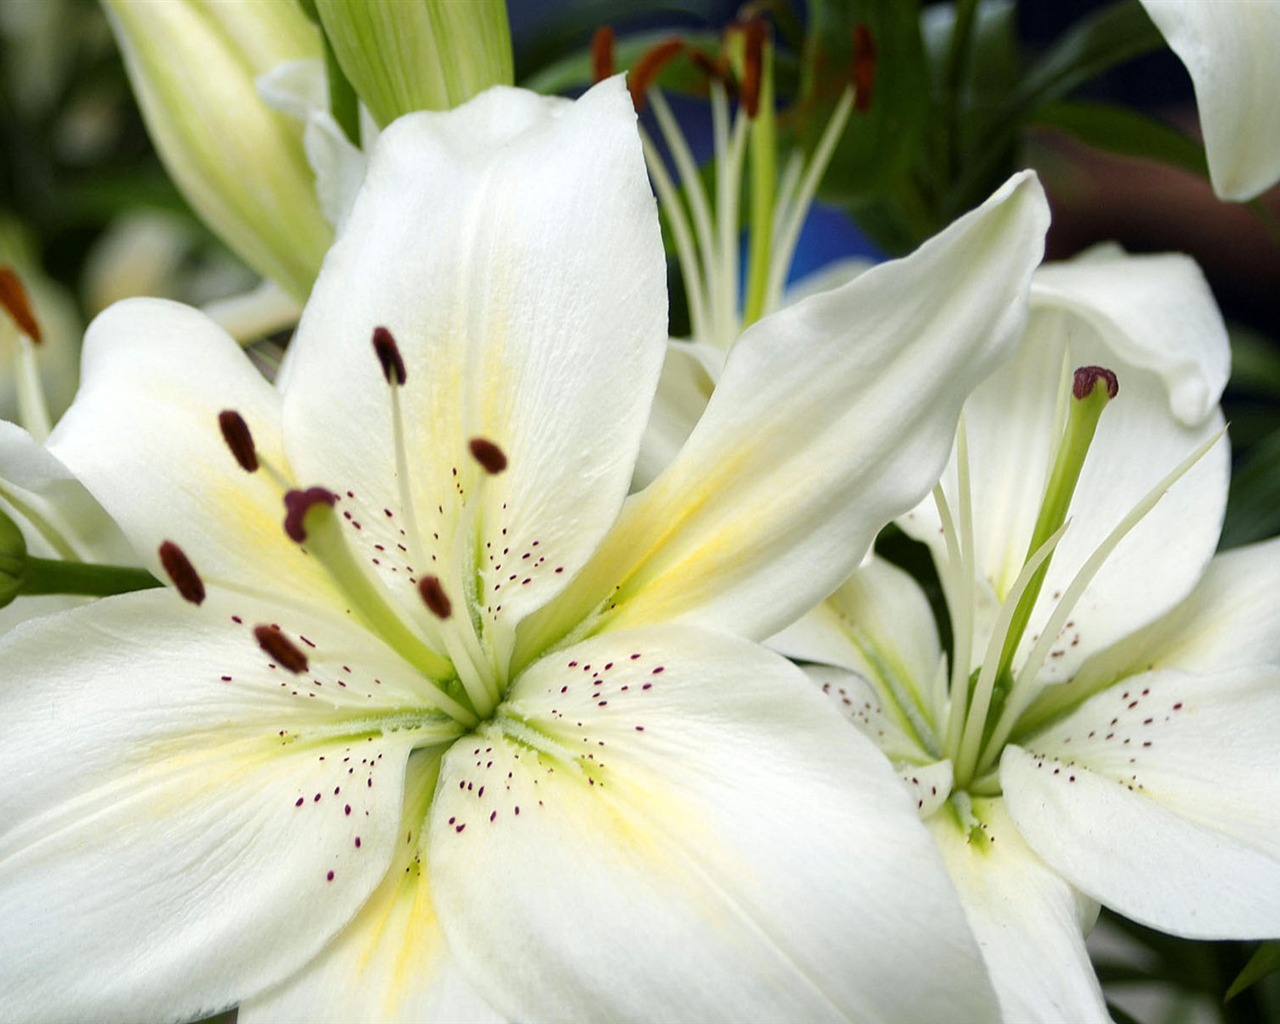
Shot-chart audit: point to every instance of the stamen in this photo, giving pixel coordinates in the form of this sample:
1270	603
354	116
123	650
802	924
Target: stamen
282	650
752	64
491	458
864	67
13	297
389	356
646	69
602	54
434	597
235	431
1088	377
179	569
298	503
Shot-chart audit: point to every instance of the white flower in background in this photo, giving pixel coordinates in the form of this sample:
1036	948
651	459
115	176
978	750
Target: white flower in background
472	733
1109	731
1229	48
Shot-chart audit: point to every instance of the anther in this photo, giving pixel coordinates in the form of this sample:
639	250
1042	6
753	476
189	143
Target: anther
13	297
389	356
235	431
1088	377
864	67
602	54
752	65
298	503
646	69
491	458
434	597
179	569
282	650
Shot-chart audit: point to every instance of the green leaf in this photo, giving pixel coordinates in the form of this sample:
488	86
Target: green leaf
1265	961
1253	503
1126	132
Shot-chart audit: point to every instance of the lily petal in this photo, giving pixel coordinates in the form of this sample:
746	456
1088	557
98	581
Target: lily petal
1029	922
392	963
1229	49
1158	798
200	822
801	455
143	437
673	824
540	329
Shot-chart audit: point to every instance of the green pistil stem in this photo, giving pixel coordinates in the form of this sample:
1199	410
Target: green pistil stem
1082	423
764	178
50	576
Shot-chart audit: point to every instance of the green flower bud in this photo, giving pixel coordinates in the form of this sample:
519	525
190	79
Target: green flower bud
241	165
13	560
406	55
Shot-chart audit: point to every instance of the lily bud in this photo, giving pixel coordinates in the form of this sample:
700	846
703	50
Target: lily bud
406	55
13	560
241	165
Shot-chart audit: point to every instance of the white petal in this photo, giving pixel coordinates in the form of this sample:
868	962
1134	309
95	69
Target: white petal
143	437
1158	797
512	248
672	824
1098	312
392	962
681	399
859	702
1231	620
1229	48
181	816
1028	921
832	415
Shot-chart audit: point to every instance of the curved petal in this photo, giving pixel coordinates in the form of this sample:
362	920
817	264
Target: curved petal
1231	620
207	820
1229	48
511	247
391	963
832	416
1095	312
681	398
1029	922
143	437
1158	798
672	824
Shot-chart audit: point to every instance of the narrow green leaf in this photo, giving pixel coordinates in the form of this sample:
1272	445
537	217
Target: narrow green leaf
1253	503
1126	132
1265	961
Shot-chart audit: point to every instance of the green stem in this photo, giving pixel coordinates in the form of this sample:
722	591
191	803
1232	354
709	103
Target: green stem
51	576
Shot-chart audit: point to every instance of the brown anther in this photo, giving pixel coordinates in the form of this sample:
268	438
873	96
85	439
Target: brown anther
1088	377
752	65
434	597
713	69
491	458
602	54
389	356
178	568
13	297
864	67
235	431
296	506
283	651
646	69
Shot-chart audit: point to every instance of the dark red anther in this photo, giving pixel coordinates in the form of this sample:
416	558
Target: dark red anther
646	69
602	54
389	356
714	70
752	66
1088	377
13	297
491	458
178	567
434	597
283	651
296	506
864	67
235	431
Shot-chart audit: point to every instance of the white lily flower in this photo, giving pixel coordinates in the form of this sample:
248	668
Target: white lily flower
1229	49
471	736
1116	738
